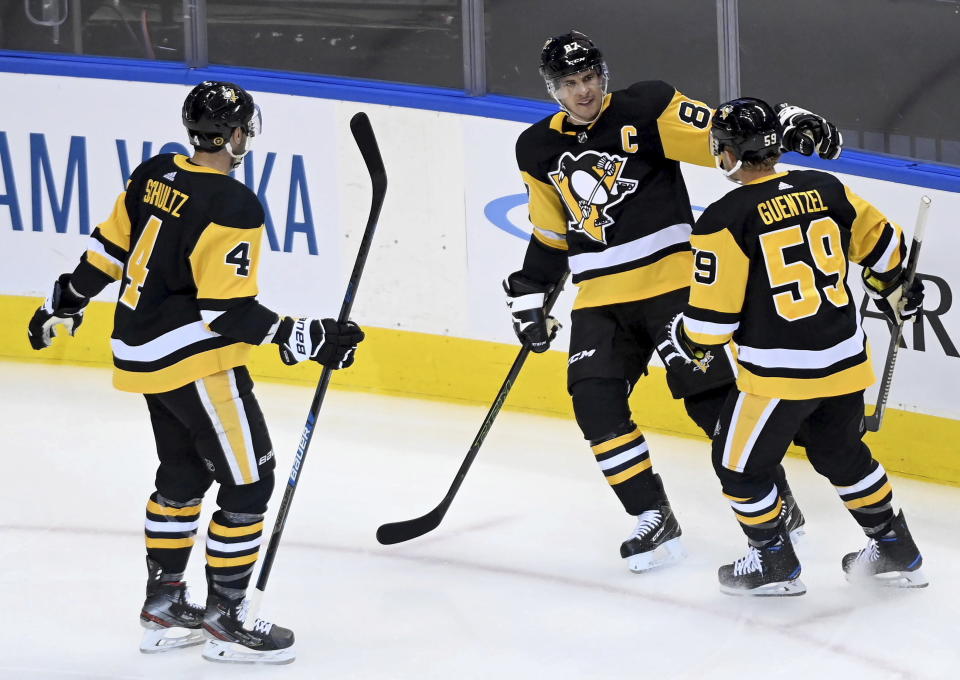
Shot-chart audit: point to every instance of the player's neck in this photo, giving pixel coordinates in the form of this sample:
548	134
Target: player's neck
219	161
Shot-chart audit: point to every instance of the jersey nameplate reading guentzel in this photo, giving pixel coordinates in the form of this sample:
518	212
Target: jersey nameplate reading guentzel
785	206
164	197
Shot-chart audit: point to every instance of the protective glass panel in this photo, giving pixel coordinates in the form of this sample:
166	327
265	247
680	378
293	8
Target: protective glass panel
139	29
886	71
675	41
414	41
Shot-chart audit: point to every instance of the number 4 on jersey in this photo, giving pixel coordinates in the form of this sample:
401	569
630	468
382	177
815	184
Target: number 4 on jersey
239	257
137	269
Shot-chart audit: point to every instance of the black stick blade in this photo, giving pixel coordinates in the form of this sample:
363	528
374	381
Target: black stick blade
370	150
398	532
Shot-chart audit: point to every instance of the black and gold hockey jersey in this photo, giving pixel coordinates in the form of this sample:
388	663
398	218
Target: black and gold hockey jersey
184	240
770	269
608	199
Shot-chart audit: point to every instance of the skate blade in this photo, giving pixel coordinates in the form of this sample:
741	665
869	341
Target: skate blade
670	552
890	579
156	640
780	589
221	651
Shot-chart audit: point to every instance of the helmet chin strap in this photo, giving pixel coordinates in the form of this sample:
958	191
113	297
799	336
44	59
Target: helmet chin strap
729	173
237	157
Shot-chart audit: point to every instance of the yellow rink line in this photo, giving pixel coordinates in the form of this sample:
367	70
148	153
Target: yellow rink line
409	364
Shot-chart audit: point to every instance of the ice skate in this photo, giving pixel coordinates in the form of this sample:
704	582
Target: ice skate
891	561
771	571
793	519
169	618
229	642
655	541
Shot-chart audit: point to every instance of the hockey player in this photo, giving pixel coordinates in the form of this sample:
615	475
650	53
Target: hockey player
184	242
771	261
607	200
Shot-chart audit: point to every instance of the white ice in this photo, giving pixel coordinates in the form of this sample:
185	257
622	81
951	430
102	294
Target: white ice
522	579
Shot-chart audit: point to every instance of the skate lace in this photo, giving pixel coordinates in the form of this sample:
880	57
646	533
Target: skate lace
869	554
187	600
749	563
646	522
259	626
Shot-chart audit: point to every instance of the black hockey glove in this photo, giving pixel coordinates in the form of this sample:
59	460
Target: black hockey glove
63	307
525	299
898	305
806	132
325	341
677	352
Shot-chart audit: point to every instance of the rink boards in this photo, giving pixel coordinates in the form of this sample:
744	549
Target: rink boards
453	225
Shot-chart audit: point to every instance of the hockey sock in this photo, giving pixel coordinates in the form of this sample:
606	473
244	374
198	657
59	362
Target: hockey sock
233	544
759	515
625	461
870	500
170	530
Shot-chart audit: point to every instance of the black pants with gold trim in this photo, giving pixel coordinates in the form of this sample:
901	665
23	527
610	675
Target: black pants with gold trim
610	347
753	436
211	429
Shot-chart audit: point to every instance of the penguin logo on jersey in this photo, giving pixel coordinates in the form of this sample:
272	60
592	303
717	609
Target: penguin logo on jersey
590	184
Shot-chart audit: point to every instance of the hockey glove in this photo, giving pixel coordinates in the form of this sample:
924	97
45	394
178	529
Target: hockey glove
676	351
525	299
806	132
325	341
898	305
63	307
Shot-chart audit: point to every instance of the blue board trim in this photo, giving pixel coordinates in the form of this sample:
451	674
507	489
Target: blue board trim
861	163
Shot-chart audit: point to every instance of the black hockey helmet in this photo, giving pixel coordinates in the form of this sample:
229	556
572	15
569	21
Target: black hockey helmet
570	53
214	109
748	127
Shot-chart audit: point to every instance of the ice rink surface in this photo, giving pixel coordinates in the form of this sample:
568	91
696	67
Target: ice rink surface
522	580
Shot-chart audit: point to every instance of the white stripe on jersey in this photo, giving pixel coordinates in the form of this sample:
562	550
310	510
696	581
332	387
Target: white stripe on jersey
884	264
97	247
631	250
162	346
209	315
708	327
551	235
803	358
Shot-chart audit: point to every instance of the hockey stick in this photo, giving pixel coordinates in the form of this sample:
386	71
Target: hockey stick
367	143
398	532
872	421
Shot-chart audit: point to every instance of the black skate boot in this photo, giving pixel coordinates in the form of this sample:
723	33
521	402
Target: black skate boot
771	570
170	620
892	561
793	519
655	541
228	641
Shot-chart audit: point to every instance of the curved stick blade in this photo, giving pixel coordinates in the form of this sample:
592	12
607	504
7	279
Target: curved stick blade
398	532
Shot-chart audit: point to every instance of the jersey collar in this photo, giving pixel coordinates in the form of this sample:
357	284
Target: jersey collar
767	178
185	163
